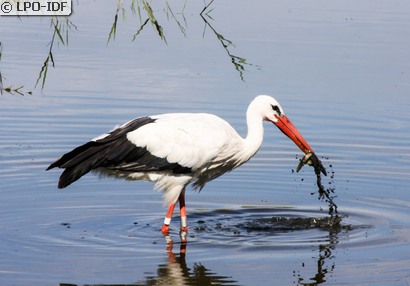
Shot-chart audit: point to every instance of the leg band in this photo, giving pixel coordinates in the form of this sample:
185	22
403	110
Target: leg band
184	221
167	221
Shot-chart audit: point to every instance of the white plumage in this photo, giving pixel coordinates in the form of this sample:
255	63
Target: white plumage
205	143
176	149
190	139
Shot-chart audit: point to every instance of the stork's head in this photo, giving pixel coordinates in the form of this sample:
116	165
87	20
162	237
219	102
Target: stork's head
270	110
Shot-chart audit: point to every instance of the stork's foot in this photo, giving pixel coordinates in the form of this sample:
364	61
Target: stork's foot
165	229
184	222
170	242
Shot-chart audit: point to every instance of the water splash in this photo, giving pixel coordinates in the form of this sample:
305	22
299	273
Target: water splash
325	194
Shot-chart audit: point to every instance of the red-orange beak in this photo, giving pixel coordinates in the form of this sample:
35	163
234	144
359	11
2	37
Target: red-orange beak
290	130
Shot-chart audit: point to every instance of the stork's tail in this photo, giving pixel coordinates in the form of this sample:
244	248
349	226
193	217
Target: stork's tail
78	162
95	154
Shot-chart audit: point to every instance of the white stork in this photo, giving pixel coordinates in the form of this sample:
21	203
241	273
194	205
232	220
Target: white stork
176	149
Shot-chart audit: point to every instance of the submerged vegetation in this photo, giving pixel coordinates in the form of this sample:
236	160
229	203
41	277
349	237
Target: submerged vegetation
10	89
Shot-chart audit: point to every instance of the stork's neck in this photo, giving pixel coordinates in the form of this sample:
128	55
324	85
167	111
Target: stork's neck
254	138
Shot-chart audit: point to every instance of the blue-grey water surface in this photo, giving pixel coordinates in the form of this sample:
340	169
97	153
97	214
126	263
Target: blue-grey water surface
340	69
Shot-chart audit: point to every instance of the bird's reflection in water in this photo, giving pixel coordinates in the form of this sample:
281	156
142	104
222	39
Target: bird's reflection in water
175	271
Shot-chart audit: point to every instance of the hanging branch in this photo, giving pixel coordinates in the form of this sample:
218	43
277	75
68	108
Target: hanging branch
152	20
58	31
238	62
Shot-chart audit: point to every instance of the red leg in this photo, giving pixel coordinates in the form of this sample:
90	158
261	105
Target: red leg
167	220
182	207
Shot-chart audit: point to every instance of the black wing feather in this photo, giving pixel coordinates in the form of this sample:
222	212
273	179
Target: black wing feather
114	152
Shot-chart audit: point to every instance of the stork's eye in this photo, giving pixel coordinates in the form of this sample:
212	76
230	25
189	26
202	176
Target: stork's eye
276	109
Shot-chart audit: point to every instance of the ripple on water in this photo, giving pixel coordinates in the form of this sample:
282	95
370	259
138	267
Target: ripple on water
302	227
279	228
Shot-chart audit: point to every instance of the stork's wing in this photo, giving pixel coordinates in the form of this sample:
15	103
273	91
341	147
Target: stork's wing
192	140
114	151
